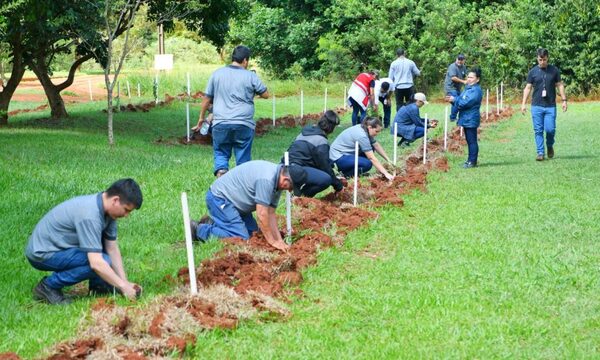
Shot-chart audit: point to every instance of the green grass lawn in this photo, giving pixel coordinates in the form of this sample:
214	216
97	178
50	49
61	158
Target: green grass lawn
494	262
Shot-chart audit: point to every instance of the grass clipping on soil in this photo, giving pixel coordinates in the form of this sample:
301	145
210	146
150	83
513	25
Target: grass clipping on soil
247	279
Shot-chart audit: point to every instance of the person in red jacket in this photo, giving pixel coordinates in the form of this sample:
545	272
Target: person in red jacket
361	92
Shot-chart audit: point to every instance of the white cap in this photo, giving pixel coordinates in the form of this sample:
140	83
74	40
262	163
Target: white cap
421	97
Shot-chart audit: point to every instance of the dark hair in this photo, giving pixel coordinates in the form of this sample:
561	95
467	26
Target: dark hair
460	57
400	52
542	52
240	53
385	86
476	71
371	121
328	121
128	191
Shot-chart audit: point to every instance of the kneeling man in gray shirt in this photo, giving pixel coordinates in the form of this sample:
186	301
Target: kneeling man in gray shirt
77	240
252	186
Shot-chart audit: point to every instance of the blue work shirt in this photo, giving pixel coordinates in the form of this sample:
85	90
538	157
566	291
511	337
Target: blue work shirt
468	104
408	119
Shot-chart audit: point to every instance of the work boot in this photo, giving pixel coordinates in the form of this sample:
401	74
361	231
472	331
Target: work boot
550	152
194	228
540	157
42	292
470	164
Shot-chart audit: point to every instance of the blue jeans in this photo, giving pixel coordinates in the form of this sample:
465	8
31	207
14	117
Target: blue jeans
70	267
227	138
228	221
316	181
471	136
454	107
356	109
544	119
345	164
419	133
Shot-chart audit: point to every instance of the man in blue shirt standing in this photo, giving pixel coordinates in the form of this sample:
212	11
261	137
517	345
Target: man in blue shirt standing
455	79
545	79
231	92
402	71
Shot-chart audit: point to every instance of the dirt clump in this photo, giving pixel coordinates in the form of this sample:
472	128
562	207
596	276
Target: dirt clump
79	349
9	356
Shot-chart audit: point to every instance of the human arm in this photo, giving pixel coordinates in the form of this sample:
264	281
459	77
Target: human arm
458	80
563	95
371	156
206	102
267	222
415	69
374	102
113	274
526	92
265	95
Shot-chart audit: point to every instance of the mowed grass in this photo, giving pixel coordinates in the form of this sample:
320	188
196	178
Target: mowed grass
498	261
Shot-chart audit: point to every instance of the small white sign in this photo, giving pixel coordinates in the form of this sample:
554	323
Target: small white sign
163	61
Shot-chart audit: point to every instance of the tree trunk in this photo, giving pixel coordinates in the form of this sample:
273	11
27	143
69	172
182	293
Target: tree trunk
57	104
18	69
109	110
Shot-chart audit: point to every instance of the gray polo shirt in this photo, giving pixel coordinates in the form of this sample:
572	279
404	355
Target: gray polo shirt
232	89
454	70
76	223
253	182
344	143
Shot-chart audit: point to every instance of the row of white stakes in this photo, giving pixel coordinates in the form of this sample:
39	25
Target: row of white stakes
288	202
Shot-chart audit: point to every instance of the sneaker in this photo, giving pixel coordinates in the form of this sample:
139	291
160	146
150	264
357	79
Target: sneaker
540	157
550	152
42	292
469	165
220	172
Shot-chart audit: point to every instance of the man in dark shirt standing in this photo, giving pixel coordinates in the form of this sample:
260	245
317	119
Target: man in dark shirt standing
545	79
455	79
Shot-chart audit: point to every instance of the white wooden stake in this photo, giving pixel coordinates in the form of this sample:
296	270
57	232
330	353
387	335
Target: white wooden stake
425	140
288	202
273	110
395	146
301	104
90	88
187	120
128	90
355	172
139	90
189	88
502	95
487	103
446	128
188	243
461	131
325	108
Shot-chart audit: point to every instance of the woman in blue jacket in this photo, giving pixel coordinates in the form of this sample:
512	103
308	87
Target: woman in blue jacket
468	104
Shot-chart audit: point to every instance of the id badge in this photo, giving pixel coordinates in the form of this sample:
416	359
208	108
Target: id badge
544	93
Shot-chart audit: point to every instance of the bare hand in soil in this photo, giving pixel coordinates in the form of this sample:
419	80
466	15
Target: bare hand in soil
433	123
390	177
195	128
523	109
280	245
129	291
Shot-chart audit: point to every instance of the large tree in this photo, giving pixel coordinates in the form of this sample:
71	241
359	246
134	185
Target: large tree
12	38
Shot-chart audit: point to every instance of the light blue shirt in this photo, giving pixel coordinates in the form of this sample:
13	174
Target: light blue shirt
345	142
76	223
232	89
402	71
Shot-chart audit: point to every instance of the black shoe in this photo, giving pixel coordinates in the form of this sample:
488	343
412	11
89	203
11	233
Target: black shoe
193	228
550	152
469	165
42	292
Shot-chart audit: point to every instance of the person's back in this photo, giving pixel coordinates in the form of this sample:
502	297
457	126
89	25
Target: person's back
307	147
404	115
233	89
248	184
75	223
